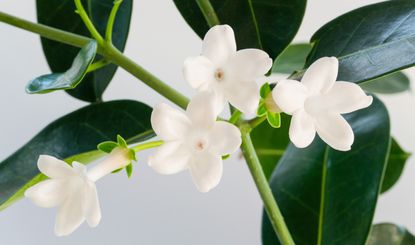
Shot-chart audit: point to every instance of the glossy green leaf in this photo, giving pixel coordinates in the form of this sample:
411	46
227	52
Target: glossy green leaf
61	14
270	143
69	79
266	24
369	42
390	84
77	132
292	59
390	234
327	196
396	163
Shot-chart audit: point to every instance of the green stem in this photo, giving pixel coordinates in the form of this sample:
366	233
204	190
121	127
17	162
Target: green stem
208	12
88	23
147	145
256	121
111	20
236	115
109	52
97	65
271	206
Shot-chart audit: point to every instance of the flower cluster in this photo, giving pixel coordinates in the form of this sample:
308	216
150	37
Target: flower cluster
196	139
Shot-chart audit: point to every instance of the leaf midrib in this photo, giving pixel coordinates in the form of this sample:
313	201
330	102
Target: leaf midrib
322	196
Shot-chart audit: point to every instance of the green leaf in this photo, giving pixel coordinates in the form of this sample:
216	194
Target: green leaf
328	196
390	84
121	141
107	146
274	119
265	90
369	42
292	59
69	79
61	14
396	163
390	234
270	143
269	25
77	132
129	170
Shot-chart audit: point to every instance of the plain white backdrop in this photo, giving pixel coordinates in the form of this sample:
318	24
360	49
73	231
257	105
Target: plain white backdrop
150	208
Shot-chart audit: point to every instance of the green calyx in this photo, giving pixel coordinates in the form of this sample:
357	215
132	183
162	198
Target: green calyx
109	146
268	108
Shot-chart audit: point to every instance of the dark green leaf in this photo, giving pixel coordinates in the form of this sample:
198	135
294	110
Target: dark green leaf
292	59
396	163
270	143
390	84
61	14
370	42
69	79
266	24
77	132
390	234
327	196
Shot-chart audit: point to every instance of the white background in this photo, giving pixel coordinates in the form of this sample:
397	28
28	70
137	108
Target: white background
150	208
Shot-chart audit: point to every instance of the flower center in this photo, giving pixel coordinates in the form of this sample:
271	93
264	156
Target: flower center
200	145
219	75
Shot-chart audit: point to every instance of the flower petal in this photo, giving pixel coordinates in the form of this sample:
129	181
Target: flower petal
70	214
206	170
225	138
53	167
169	123
289	95
346	97
219	44
91	205
321	75
244	96
249	64
302	130
203	109
335	131
47	194
198	72
170	158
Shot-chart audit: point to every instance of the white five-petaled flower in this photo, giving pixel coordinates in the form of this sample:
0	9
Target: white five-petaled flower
230	74
316	104
72	189
193	140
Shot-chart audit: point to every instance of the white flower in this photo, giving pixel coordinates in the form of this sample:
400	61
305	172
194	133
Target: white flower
230	74
73	190
193	140
316	104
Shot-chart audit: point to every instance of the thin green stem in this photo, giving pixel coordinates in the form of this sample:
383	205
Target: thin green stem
118	58
47	31
146	145
88	23
257	121
271	206
111	20
208	12
109	52
236	115
97	65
